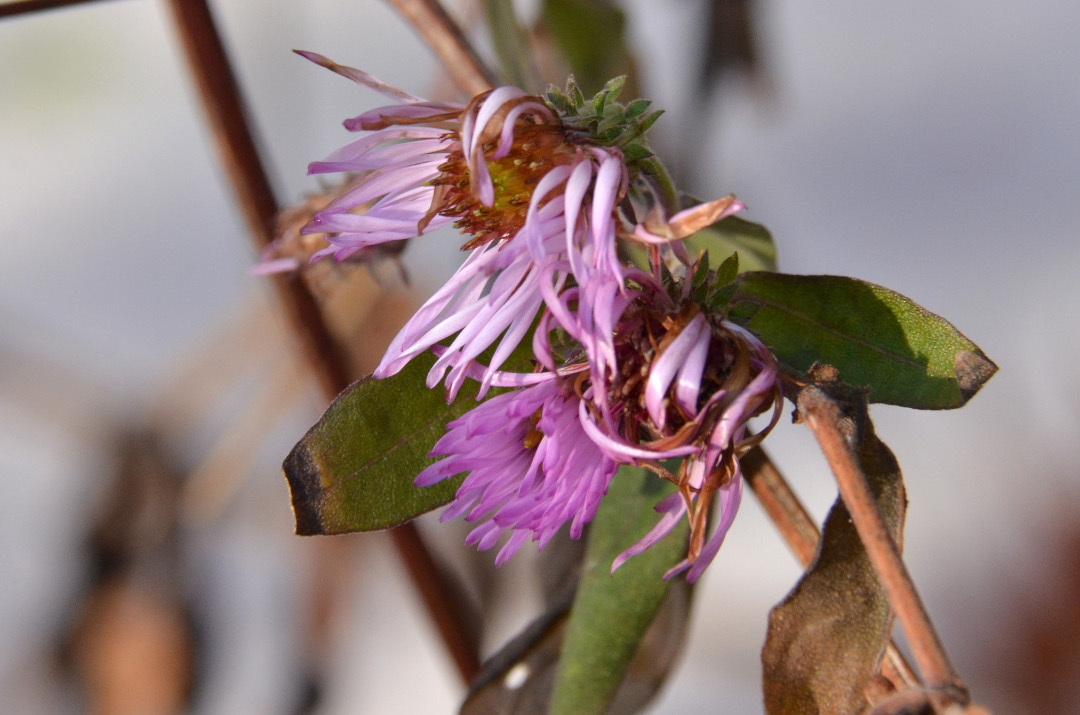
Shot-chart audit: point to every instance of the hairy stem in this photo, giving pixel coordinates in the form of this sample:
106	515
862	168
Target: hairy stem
668	193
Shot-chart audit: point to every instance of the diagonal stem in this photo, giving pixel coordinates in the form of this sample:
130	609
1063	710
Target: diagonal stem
21	7
209	65
512	45
448	42
800	532
822	415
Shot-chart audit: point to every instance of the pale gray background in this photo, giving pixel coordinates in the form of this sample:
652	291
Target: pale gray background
929	147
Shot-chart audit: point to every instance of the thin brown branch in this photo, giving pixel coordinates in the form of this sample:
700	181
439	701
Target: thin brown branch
823	416
798	529
220	96
22	7
782	505
447	41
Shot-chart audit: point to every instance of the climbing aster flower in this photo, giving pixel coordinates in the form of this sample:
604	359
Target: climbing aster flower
686	385
537	200
531	467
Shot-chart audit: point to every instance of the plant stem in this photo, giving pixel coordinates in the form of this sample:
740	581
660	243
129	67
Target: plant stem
511	45
448	42
220	94
21	7
668	193
822	415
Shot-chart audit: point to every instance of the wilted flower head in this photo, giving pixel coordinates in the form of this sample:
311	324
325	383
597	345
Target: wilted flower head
686	379
680	381
685	385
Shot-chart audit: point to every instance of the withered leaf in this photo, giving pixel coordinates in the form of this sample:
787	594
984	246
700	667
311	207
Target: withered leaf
827	636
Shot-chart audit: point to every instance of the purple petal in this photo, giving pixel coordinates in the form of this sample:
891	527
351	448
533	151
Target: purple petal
673	506
360	77
667	364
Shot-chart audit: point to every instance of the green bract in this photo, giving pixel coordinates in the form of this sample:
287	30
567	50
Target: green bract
605	122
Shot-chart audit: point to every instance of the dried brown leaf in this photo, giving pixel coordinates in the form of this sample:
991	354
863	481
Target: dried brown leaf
827	636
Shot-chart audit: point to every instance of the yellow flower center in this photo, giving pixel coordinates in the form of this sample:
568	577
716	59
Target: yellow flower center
537	149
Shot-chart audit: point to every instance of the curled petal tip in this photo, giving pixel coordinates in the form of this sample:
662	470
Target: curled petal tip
314	57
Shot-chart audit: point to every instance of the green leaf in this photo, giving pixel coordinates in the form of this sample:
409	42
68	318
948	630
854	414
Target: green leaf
650	119
636	152
354	470
612	612
876	338
753	242
827	636
558	100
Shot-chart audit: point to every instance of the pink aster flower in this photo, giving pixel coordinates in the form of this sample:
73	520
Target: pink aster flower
531	467
537	201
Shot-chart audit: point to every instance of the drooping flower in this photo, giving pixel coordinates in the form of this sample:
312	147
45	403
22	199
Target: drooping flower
537	201
687	384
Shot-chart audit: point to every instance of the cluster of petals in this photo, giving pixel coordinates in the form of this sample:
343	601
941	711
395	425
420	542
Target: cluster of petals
498	291
543	453
531	467
713	425
678	372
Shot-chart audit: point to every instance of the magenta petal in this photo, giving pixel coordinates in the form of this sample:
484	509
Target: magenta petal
506	138
688	379
526	491
360	77
622	451
730	496
673	507
666	365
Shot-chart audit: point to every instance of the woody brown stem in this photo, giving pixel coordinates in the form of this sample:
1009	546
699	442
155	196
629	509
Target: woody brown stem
220	94
448	42
823	416
801	534
22	7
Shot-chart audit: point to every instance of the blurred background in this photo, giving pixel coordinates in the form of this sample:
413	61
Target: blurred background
148	390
